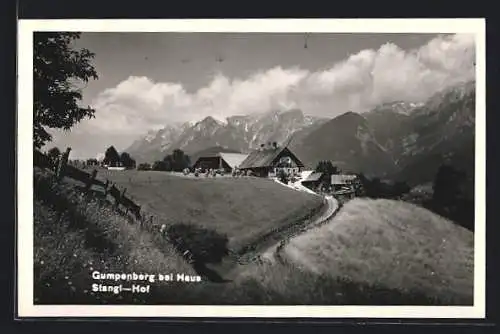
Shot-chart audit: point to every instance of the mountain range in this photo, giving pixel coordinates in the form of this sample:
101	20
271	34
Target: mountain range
398	140
236	134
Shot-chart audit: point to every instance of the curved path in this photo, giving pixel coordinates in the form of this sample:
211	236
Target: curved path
272	254
236	264
264	253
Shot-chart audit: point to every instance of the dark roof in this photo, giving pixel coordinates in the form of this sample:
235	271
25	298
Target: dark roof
265	157
206	158
260	158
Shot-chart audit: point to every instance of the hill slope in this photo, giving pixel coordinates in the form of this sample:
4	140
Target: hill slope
242	208
392	244
346	139
443	131
75	235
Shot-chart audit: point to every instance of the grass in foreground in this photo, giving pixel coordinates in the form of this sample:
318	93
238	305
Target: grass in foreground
244	209
283	284
74	236
390	244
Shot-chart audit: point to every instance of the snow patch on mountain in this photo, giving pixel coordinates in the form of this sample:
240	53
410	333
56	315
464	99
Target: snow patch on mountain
239	132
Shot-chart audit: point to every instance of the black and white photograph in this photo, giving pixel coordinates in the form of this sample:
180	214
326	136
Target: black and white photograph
307	168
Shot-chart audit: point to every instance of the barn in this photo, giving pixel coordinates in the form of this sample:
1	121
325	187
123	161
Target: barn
345	184
313	180
268	160
220	161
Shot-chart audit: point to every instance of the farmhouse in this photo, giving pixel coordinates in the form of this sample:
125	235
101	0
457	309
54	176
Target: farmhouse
268	160
220	161
334	183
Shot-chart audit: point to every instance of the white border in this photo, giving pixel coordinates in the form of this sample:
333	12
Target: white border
25	162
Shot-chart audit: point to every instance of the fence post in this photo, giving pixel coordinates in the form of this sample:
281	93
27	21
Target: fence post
90	181
63	161
117	198
55	164
138	213
106	188
142	218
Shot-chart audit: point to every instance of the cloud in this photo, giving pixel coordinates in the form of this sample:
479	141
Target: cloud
358	83
136	105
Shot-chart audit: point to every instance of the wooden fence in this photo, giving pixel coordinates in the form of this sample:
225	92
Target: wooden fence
62	169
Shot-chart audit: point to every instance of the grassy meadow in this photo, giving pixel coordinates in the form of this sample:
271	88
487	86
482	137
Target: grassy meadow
390	244
244	209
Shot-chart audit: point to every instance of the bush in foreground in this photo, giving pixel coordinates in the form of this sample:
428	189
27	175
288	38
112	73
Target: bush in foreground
205	245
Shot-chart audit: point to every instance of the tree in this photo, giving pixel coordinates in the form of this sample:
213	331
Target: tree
400	188
111	156
327	167
177	161
56	69
159	165
450	198
144	166
168	162
447	185
181	160
92	162
54	155
282	176
127	160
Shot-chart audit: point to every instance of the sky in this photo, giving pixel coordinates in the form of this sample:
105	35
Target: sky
148	80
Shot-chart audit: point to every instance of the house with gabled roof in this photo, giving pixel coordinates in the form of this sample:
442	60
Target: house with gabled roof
268	160
220	161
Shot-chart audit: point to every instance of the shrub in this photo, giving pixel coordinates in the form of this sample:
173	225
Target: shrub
376	188
282	176
450	198
205	245
144	166
159	166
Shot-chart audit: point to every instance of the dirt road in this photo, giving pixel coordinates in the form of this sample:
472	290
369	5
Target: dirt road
232	266
272	254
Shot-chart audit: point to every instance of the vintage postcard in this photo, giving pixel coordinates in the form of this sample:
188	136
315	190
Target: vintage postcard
251	168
